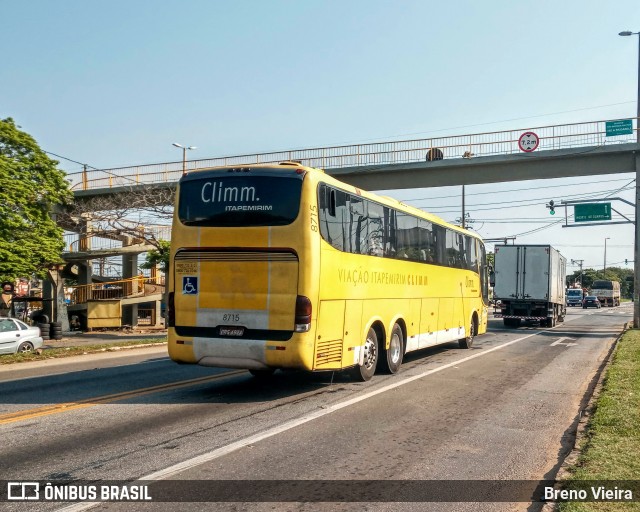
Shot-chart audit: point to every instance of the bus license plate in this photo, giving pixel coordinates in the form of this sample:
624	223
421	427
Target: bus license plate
231	331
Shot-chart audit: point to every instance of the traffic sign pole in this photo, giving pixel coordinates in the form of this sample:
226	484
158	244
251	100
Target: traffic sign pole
636	252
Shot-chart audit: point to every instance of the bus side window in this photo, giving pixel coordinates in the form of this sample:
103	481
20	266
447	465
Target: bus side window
472	253
375	238
356	226
407	239
390	233
426	242
440	244
332	202
463	247
332	206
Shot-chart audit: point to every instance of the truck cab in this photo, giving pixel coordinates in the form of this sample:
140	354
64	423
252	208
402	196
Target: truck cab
574	297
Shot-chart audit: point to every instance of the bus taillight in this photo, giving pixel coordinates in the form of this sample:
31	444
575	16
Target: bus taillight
171	311
303	314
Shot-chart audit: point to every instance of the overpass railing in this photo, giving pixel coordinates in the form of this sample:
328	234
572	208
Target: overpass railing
113	238
380	153
139	286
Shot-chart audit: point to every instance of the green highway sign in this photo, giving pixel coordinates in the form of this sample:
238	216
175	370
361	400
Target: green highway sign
620	127
591	212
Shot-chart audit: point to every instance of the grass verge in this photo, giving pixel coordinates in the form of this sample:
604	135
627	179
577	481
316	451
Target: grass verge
54	353
611	446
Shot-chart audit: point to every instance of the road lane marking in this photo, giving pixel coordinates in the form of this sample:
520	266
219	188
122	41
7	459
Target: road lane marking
559	342
46	410
170	471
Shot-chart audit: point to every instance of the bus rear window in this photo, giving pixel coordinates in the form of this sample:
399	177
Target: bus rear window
220	200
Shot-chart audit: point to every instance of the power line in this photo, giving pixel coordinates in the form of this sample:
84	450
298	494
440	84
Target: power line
515	190
70	160
516	204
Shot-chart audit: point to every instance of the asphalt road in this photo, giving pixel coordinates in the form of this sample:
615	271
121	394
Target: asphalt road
502	411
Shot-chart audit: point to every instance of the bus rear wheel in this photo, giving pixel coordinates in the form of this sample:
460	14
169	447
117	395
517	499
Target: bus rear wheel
368	368
393	355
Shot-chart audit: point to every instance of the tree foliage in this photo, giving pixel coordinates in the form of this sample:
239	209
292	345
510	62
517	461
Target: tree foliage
589	275
142	213
159	256
30	186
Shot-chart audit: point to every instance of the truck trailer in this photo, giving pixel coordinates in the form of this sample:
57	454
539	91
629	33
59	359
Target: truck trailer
608	292
529	282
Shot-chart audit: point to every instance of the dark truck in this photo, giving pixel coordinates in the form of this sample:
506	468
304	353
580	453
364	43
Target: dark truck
608	292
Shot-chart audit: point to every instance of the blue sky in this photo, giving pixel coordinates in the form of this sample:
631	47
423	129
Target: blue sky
115	83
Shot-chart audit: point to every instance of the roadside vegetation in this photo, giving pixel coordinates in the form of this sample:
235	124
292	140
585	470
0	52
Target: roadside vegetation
54	353
589	275
31	186
611	446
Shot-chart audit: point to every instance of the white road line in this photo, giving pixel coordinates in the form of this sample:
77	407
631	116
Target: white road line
230	448
560	342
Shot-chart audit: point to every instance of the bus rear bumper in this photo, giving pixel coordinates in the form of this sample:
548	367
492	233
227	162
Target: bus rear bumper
247	353
230	353
233	362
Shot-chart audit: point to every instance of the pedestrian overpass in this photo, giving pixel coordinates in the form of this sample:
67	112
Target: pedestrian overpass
578	149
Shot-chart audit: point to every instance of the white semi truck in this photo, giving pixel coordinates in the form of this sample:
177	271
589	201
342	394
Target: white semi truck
575	296
529	282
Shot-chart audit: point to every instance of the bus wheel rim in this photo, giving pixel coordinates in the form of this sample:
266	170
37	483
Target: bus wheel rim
369	353
394	348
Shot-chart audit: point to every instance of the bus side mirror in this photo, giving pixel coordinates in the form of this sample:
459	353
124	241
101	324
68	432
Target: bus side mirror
492	278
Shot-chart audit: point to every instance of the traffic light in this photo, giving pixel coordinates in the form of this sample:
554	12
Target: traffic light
552	207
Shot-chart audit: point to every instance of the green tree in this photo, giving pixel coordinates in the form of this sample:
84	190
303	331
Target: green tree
623	275
159	256
31	185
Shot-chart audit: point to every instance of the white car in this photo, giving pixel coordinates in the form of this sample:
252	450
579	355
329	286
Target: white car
17	337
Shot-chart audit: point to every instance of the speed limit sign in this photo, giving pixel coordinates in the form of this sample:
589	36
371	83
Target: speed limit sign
528	142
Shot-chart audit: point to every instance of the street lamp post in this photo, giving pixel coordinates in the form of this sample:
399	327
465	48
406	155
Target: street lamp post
184	155
604	272
636	244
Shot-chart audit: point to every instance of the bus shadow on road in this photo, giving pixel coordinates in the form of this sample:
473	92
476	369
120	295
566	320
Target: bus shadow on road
159	381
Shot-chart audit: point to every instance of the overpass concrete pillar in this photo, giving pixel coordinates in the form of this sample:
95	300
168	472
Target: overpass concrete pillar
130	270
85	270
49	296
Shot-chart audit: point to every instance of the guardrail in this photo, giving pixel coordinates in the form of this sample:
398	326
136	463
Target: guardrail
139	286
593	133
113	238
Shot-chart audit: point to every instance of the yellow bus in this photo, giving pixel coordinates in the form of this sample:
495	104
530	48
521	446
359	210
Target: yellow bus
282	266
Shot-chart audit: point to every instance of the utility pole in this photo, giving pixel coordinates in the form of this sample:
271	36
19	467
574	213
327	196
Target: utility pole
579	263
463	212
604	271
636	243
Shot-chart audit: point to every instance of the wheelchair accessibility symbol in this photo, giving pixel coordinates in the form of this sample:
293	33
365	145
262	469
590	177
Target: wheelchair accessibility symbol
190	285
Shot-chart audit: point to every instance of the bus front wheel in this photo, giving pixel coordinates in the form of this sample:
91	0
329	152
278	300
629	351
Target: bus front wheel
393	355
368	368
467	341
